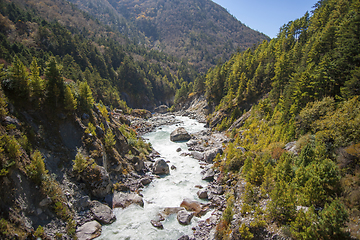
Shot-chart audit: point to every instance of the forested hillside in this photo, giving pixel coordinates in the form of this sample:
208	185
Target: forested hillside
200	31
113	66
292	107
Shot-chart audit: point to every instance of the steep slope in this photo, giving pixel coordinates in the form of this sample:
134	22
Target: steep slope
292	107
114	67
200	31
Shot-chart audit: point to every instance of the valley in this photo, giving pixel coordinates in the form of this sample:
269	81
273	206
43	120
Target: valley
91	92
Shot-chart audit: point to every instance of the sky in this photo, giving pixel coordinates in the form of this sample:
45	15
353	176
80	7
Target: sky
267	16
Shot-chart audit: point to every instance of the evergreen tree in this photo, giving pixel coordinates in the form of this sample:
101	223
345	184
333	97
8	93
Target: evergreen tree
70	103
20	79
85	96
55	84
37	84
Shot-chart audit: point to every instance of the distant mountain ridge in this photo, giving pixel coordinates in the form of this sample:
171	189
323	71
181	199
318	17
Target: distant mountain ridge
200	31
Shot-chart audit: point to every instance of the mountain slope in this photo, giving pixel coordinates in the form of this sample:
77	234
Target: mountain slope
200	31
113	66
292	107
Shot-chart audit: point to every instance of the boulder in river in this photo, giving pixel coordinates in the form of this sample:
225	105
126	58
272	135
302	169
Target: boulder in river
89	230
184	217
185	237
161	167
180	134
157	224
170	210
202	194
123	200
192	205
102	213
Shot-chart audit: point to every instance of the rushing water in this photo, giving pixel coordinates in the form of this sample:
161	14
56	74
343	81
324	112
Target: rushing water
168	191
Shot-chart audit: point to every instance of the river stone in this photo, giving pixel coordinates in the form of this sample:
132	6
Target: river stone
157	224
170	210
161	167
102	213
184	217
89	230
202	194
123	200
211	154
178	150
197	155
208	174
185	237
161	109
192	205
145	181
180	134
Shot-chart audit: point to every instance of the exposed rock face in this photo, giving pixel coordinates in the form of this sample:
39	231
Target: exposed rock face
161	167
141	113
184	217
98	181
89	230
123	200
240	122
180	134
102	213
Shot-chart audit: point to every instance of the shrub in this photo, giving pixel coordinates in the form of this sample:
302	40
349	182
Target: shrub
39	233
109	139
80	162
245	232
36	169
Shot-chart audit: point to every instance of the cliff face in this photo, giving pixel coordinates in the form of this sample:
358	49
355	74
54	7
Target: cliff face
79	158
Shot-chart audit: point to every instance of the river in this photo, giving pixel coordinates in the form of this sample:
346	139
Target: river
167	191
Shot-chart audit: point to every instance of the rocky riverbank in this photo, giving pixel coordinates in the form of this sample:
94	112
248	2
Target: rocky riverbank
203	146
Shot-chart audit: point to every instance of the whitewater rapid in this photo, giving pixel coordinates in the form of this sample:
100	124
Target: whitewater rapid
167	191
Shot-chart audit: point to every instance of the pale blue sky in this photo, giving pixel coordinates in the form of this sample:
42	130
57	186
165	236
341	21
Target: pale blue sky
267	16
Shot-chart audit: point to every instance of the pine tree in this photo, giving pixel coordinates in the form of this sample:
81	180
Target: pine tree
36	83
85	95
70	103
55	85
20	79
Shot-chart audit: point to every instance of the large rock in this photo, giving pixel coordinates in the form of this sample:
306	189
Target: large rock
123	200
161	109
197	155
161	167
157	224
208	174
180	134
191	205
97	180
211	154
202	194
170	210
184	217
102	213
89	230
